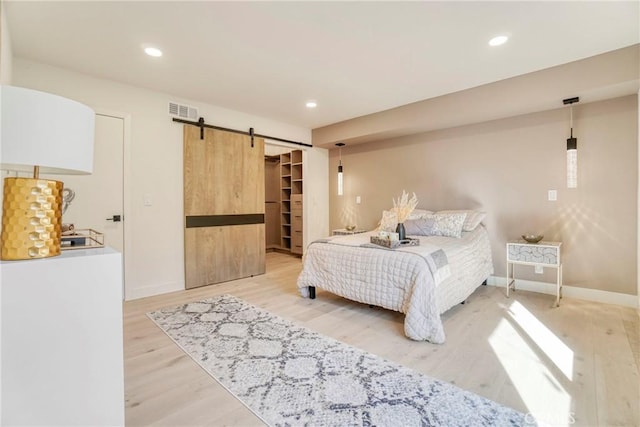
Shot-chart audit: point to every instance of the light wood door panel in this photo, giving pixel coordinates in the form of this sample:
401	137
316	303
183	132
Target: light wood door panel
223	206
223	173
219	254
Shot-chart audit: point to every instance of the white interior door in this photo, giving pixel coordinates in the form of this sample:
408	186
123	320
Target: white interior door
99	196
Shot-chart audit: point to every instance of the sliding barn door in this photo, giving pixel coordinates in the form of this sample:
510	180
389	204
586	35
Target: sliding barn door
223	205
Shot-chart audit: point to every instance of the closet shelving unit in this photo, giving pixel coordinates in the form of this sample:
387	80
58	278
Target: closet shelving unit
296	172
296	202
285	200
290	195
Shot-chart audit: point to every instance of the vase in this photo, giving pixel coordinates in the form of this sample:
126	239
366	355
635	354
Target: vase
400	231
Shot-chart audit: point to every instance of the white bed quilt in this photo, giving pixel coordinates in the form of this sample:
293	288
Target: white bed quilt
400	279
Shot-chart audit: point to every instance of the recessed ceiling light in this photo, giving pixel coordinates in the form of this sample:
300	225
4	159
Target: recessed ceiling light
153	51
498	40
311	104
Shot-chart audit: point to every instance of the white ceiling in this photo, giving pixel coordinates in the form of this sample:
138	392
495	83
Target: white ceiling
354	58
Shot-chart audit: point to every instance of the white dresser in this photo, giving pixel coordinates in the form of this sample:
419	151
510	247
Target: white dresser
543	254
62	348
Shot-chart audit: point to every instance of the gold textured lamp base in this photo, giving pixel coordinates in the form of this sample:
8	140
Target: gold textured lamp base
31	218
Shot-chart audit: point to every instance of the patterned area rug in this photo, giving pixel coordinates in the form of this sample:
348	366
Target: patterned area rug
291	376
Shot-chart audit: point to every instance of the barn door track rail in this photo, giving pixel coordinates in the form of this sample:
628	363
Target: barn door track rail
201	124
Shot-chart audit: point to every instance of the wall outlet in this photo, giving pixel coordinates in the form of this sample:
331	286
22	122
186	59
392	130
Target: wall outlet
552	195
358	200
538	269
147	200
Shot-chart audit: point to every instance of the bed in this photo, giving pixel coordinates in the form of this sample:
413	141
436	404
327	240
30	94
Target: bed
415	280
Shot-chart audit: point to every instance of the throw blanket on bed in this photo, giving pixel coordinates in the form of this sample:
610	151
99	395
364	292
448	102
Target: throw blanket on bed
401	279
434	256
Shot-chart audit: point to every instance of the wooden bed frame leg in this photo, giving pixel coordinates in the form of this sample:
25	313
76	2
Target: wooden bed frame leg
312	292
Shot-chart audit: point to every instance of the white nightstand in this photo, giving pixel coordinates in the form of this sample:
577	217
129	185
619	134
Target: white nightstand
345	232
544	254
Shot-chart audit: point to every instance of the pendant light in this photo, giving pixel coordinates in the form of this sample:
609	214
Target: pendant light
572	149
340	184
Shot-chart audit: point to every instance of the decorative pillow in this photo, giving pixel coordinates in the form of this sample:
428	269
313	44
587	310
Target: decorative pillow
419	226
437	224
389	221
472	220
449	225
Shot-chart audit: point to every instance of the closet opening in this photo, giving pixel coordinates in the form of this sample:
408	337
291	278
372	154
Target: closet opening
283	171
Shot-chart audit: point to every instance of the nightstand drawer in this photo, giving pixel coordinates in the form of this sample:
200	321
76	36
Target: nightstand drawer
540	253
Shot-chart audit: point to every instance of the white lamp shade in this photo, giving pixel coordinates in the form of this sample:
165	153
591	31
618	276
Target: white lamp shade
45	130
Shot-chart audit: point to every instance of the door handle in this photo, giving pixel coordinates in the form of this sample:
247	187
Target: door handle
115	218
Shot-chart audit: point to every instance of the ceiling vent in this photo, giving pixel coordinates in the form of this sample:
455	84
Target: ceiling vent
183	111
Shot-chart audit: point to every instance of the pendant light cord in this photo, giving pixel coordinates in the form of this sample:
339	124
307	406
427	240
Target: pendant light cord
571	111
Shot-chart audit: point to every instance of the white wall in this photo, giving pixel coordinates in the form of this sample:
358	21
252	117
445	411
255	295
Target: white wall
316	194
154	260
6	61
6	53
505	167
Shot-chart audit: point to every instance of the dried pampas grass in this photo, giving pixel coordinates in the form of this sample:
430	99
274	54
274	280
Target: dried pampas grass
404	206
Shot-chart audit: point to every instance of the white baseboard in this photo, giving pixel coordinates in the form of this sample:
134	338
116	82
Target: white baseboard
596	295
149	291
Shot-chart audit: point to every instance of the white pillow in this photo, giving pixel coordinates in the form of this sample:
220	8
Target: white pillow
472	219
389	221
419	213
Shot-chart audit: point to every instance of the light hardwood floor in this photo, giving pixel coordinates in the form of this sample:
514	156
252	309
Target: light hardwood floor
579	362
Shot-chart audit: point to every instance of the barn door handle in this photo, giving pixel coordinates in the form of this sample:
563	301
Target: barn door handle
115	218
